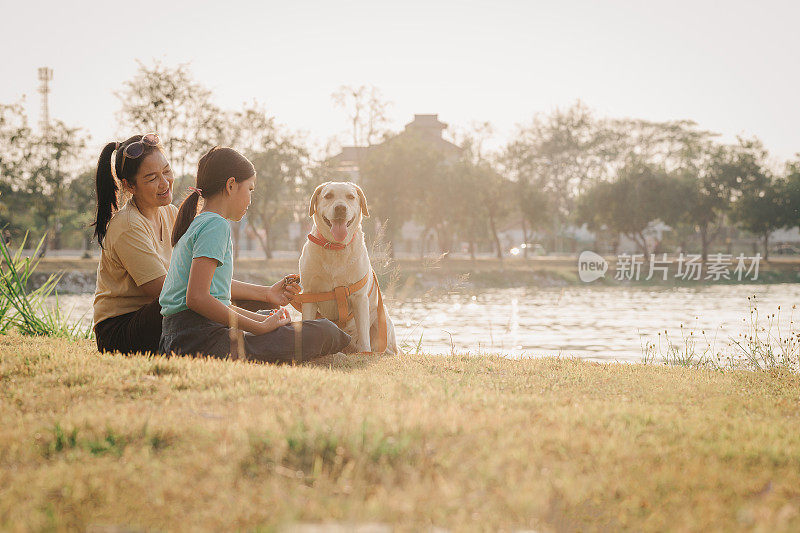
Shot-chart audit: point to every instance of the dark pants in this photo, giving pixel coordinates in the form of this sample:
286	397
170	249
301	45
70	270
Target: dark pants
137	331
189	333
140	331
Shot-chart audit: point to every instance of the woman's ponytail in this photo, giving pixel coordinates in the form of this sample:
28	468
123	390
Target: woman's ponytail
186	214
106	192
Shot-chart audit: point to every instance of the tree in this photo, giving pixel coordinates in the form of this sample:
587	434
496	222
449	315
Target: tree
477	192
14	136
366	110
169	101
497	194
762	209
34	173
681	149
281	163
553	159
728	173
450	205
707	200
483	195
631	203
250	128
281	168
792	186
46	173
403	178
15	148
676	145
79	209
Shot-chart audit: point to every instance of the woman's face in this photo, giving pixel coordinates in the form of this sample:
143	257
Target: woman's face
240	197
152	186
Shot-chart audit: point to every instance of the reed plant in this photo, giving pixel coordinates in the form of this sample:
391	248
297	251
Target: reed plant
28	311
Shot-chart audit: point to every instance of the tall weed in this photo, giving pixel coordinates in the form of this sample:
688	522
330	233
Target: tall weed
764	345
28	311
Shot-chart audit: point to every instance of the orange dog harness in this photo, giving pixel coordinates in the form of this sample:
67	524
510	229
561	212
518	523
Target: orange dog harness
340	295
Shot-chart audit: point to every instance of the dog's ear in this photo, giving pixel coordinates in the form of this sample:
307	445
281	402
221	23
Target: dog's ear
363	200
312	206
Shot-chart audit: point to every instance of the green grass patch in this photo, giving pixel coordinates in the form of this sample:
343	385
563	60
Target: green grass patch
58	440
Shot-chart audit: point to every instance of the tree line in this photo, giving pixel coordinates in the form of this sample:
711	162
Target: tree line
568	169
563	169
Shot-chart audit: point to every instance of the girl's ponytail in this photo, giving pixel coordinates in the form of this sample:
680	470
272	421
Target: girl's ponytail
186	214
106	192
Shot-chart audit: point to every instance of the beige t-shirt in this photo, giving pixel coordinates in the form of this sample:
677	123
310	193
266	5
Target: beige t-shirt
132	255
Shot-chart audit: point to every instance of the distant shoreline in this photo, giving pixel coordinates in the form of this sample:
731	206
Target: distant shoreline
448	274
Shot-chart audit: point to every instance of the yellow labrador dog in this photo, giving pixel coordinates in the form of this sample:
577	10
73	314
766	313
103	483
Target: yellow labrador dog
335	255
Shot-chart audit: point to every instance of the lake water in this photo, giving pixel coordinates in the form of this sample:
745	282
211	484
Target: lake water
598	323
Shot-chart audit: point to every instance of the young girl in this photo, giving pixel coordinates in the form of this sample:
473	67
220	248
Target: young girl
196	297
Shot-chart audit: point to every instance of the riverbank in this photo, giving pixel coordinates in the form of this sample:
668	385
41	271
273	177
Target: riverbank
409	276
455	442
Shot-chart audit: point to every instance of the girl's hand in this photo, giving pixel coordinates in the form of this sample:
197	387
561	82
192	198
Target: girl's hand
281	292
275	320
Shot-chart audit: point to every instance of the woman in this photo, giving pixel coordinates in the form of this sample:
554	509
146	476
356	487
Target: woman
136	247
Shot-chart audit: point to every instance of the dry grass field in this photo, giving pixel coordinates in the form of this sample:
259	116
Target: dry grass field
113	443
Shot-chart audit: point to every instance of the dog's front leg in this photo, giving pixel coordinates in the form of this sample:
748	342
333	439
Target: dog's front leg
309	310
360	303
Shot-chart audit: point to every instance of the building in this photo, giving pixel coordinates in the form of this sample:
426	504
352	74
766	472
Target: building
426	127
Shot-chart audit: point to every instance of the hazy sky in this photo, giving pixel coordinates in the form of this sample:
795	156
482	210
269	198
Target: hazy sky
732	66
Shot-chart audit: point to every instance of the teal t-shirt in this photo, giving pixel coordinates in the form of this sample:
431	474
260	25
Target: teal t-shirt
209	235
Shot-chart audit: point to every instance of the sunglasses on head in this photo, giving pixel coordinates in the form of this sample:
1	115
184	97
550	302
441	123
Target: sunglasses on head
136	149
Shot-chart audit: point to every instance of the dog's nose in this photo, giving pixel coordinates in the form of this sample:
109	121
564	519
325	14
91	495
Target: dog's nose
340	211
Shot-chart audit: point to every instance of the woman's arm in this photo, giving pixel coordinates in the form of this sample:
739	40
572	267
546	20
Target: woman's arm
199	300
137	254
275	294
153	287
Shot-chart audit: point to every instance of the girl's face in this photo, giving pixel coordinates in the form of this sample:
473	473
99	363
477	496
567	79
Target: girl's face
241	194
152	186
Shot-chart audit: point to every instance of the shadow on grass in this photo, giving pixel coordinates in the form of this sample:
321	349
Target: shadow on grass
345	362
162	364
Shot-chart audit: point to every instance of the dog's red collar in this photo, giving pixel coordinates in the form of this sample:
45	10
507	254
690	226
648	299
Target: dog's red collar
325	243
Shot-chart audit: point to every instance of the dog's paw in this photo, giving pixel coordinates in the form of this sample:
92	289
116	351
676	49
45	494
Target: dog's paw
350	348
363	347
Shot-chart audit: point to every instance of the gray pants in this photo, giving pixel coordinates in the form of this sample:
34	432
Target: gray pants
189	333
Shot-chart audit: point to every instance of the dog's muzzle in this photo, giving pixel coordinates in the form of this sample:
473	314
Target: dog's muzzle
328	222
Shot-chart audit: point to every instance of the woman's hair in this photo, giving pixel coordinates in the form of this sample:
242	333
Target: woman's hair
213	171
107	186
